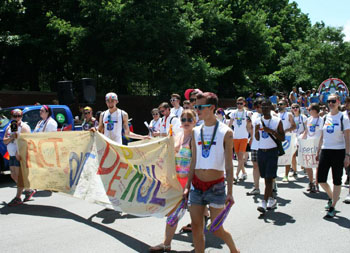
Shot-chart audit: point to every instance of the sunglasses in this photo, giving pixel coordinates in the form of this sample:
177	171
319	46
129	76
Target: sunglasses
189	120
17	116
201	107
281	104
161	111
193	100
87	113
42	110
186	108
239	103
333	101
295	107
154	114
173	99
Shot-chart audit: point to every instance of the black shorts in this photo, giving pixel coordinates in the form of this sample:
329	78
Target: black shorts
331	158
268	162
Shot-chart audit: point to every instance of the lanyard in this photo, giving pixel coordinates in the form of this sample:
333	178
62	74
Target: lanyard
204	146
283	118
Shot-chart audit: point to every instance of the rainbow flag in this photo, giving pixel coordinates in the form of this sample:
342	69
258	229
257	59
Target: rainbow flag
7	156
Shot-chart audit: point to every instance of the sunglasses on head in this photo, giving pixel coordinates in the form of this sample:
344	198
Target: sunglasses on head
333	101
189	120
173	99
193	100
17	116
201	107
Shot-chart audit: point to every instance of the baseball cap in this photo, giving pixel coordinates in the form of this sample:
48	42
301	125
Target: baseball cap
111	95
87	108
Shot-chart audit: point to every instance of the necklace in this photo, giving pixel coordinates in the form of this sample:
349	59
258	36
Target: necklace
206	147
283	118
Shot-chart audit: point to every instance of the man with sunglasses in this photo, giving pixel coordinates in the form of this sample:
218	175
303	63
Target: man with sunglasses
288	127
167	120
240	118
89	121
12	132
114	121
211	155
175	102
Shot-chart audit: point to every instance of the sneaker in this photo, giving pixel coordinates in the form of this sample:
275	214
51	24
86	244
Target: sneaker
329	204
310	187
317	188
29	194
262	207
253	192
243	177
313	188
160	248
347	199
271	203
285	179
295	174
331	212
15	202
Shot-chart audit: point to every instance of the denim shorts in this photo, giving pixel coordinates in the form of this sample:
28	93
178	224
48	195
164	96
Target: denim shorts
215	196
268	163
14	162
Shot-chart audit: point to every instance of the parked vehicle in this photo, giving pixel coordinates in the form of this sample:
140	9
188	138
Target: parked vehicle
31	115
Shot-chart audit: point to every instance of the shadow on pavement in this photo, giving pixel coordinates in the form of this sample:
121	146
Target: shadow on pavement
290	184
318	195
42	194
340	220
247	185
278	218
56	212
109	216
280	201
211	241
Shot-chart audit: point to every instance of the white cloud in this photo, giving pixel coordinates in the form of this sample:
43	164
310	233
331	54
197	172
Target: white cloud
346	30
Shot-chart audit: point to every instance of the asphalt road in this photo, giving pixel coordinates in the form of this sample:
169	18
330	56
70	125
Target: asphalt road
55	222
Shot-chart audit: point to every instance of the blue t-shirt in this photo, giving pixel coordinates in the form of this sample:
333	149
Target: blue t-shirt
314	98
342	96
273	99
325	95
249	102
295	97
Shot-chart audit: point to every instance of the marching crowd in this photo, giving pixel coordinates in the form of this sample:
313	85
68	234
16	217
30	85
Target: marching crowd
207	138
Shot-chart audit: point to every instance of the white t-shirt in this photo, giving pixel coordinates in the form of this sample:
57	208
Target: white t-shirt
165	124
12	146
284	116
48	125
300	122
314	127
256	120
240	123
176	112
266	142
113	125
333	137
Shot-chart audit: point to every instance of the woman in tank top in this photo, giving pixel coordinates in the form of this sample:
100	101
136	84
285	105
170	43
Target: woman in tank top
183	155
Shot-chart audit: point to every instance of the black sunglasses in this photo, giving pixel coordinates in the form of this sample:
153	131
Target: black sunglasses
193	100
161	111
239	103
333	101
280	104
154	114
17	116
189	120
295	107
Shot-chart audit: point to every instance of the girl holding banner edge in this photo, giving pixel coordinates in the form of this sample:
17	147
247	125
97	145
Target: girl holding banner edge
313	130
333	151
183	155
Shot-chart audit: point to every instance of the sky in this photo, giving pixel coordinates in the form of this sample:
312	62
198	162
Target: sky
331	12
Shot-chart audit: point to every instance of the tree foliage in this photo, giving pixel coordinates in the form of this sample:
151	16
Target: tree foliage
157	47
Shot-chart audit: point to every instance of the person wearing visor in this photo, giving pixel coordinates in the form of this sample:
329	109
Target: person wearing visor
12	132
114	120
47	123
89	120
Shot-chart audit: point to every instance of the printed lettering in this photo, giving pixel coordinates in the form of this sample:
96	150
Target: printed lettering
107	170
111	192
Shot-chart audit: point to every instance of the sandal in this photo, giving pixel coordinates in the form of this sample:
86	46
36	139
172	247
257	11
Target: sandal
160	248
186	229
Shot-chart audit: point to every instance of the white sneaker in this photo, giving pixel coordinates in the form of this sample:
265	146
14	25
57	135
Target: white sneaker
271	203
262	207
347	199
243	177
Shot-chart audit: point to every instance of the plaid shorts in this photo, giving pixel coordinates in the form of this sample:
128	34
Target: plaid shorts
254	155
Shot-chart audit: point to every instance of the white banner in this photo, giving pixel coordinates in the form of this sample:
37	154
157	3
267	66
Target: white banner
289	146
307	151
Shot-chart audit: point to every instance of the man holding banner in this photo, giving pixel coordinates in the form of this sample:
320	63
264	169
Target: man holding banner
288	127
267	133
